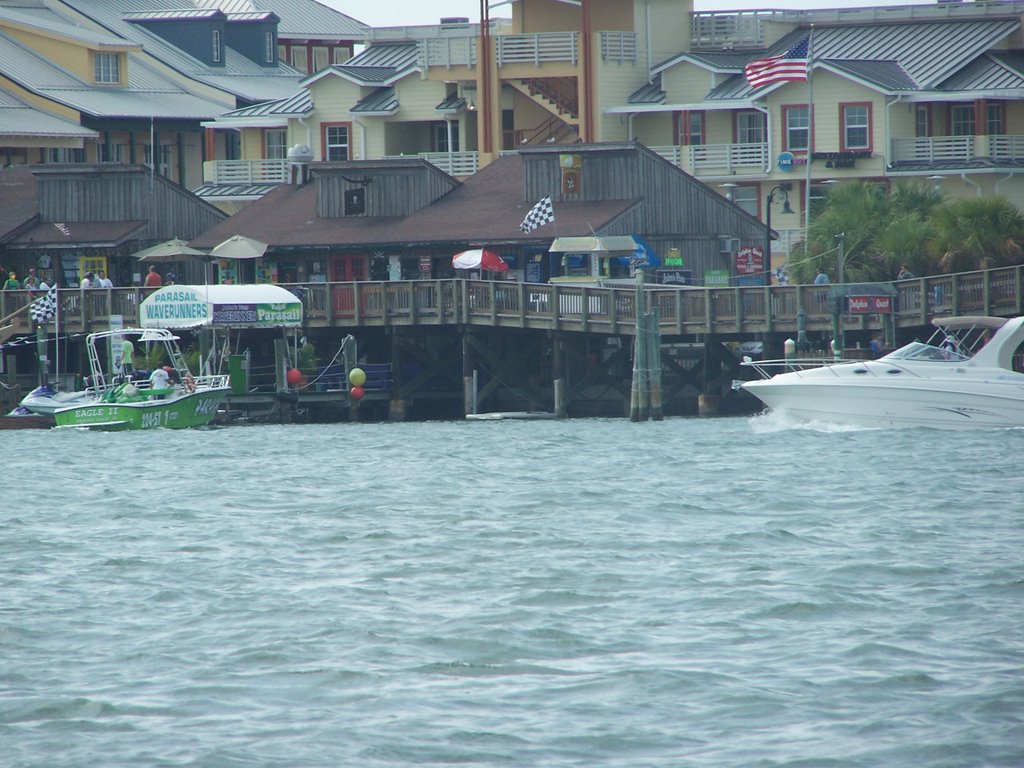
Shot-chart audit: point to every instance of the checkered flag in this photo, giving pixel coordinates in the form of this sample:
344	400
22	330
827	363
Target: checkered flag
542	213
44	308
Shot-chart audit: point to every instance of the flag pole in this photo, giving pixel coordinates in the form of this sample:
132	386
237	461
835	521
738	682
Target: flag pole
810	136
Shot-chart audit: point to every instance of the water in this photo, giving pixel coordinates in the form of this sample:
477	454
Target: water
728	592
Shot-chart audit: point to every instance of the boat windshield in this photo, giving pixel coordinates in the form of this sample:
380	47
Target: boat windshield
917	350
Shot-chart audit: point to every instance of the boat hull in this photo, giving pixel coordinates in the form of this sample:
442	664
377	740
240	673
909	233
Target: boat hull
192	410
867	404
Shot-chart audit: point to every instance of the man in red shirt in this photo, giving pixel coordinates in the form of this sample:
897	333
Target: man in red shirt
153	279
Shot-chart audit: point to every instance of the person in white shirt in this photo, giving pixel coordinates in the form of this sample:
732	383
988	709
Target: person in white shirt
86	281
159	379
102	281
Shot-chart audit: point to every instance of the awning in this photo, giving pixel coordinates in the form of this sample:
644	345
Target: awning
246	306
610	244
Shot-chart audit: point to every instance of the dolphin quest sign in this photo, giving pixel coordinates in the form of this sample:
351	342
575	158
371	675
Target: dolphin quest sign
189	306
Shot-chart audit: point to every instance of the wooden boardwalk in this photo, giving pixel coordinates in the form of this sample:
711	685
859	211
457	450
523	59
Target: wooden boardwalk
695	313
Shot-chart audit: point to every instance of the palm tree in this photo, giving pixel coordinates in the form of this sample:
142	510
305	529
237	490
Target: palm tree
858	210
978	233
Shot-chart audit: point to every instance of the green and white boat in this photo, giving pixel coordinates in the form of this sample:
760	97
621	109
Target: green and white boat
116	402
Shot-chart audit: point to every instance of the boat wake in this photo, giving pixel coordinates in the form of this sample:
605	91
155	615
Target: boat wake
772	421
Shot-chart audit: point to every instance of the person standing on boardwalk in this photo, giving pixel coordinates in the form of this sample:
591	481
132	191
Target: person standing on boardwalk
11	283
821	278
153	279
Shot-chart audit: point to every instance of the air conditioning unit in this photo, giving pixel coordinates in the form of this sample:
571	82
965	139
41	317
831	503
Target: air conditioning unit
728	244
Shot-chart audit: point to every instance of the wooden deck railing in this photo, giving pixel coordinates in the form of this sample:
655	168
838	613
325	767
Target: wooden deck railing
736	311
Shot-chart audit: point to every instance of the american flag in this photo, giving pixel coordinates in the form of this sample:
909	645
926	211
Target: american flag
542	213
790	66
44	308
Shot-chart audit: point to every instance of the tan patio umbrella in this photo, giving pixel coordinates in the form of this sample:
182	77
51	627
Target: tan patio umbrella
171	250
239	247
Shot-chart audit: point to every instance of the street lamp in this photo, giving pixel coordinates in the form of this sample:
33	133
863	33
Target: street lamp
782	189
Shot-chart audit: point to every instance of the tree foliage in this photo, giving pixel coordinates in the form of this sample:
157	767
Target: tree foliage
911	225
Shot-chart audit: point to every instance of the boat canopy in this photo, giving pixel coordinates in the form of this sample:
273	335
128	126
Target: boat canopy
609	244
226	306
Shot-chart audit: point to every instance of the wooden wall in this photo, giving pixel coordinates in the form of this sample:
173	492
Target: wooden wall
676	210
393	187
111	192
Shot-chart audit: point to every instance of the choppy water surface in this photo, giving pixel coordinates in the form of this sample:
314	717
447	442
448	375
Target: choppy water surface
725	592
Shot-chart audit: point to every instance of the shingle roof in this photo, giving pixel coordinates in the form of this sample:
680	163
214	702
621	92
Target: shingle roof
96	233
487	208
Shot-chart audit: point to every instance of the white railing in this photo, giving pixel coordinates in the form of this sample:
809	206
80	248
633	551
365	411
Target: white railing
718	158
246	171
618	46
932	149
1006	147
458	164
537	49
448	52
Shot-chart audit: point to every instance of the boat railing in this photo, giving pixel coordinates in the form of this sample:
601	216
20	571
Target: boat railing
768	368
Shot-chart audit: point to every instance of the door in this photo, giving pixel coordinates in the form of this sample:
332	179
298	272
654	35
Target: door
348	268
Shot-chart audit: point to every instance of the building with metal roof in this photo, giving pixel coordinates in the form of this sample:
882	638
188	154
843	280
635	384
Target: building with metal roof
136	74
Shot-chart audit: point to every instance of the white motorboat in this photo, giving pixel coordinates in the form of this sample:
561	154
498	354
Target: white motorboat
959	379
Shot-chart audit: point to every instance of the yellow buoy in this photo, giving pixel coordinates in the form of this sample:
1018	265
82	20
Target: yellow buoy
357	377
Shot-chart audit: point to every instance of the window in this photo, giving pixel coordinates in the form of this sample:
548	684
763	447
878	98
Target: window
108	68
110	153
691	128
995	119
961	119
856	126
340	55
797	128
232	145
750	128
746	198
62	155
441	137
282	53
336	141
299	59
216	53
321	58
922	121
269	46
275	144
165	158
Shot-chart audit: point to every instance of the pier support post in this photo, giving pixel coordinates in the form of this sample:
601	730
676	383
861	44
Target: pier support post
468	404
397	407
707	405
558	374
654	363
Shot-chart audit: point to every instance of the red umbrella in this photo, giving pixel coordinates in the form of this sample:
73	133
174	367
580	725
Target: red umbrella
479	258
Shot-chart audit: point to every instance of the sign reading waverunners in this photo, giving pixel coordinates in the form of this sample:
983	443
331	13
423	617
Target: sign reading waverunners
251	306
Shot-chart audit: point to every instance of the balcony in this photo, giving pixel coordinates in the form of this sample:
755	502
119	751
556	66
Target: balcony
458	164
962	150
535	49
241	172
718	159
